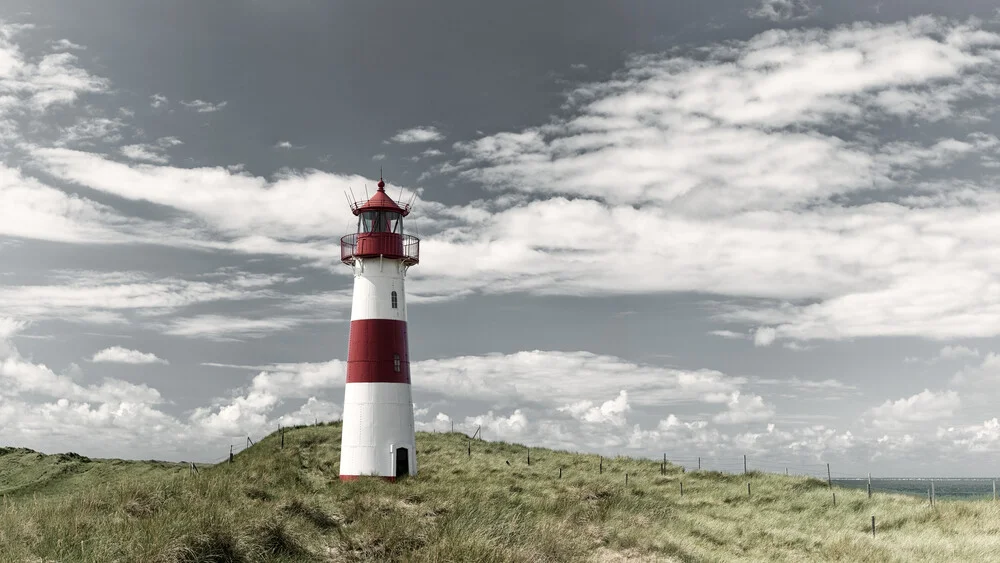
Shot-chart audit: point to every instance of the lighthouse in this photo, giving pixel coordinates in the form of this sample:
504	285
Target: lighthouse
378	435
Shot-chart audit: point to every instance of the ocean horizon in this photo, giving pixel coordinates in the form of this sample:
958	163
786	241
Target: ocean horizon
968	488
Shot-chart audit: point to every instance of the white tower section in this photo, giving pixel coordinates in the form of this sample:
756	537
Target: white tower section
378	403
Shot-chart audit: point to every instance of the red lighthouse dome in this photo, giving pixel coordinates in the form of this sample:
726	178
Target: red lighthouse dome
380	231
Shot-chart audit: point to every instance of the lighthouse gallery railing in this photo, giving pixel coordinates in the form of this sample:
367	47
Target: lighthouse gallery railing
387	245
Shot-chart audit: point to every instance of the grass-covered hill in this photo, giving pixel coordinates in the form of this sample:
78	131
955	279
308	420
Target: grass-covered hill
277	504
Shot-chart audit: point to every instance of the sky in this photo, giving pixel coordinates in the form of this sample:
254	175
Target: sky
707	229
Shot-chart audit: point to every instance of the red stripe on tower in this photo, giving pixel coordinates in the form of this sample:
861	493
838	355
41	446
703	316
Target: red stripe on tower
378	352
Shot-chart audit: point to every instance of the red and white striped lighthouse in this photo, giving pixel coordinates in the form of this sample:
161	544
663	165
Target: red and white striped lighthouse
378	436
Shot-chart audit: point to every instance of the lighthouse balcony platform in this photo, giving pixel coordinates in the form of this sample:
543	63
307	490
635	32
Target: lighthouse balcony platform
373	245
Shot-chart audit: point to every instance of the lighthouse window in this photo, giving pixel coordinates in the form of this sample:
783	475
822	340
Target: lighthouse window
395	362
394	222
371	222
381	222
394	302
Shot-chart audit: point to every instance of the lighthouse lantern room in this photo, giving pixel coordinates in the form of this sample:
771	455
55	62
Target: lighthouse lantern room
378	433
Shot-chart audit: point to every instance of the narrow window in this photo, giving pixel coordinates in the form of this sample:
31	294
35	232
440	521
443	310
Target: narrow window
395	362
395	303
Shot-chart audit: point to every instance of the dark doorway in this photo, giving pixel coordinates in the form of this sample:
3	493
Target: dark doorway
402	462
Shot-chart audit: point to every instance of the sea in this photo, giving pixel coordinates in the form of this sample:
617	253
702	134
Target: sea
947	488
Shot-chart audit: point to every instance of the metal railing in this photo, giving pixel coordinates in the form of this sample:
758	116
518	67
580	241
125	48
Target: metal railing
387	245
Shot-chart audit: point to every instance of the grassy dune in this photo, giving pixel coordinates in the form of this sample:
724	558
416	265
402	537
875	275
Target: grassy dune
287	505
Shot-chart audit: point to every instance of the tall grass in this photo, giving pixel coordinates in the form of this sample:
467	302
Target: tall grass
287	505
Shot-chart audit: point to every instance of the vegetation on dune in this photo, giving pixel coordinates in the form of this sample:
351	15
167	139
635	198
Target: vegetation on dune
286	504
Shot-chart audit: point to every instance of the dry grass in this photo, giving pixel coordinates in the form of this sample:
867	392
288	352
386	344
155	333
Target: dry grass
287	505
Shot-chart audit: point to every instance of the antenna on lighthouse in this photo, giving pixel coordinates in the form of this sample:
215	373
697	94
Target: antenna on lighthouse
367	197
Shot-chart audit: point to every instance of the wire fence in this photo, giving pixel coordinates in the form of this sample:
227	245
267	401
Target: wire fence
978	488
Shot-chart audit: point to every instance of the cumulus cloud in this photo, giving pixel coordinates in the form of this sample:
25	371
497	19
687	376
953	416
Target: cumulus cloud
610	412
19	376
425	134
744	408
120	355
923	407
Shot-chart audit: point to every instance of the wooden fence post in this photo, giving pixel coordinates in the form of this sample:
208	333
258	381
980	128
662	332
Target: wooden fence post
682	488
829	478
600	468
744	464
994	489
873	526
626	479
230	453
869	485
560	472
699	463
748	488
529	455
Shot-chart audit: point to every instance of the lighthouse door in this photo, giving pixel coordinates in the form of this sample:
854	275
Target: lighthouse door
402	462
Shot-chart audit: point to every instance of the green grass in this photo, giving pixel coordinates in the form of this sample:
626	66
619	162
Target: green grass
287	505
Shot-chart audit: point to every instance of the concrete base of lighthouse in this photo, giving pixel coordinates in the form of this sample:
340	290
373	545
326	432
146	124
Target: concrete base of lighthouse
378	434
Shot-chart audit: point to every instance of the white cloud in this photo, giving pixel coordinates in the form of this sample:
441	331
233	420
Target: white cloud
561	378
731	335
378	157
498	427
201	106
287	145
744	408
31	209
67	45
145	153
764	336
84	296
20	376
954	352
784	10
425	134
117	354
610	412
38	84
158	100
923	407
223	328
87	130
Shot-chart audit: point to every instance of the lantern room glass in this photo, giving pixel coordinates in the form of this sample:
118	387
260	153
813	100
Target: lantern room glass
380	222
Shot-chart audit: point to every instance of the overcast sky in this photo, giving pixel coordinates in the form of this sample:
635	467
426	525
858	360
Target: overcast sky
707	228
